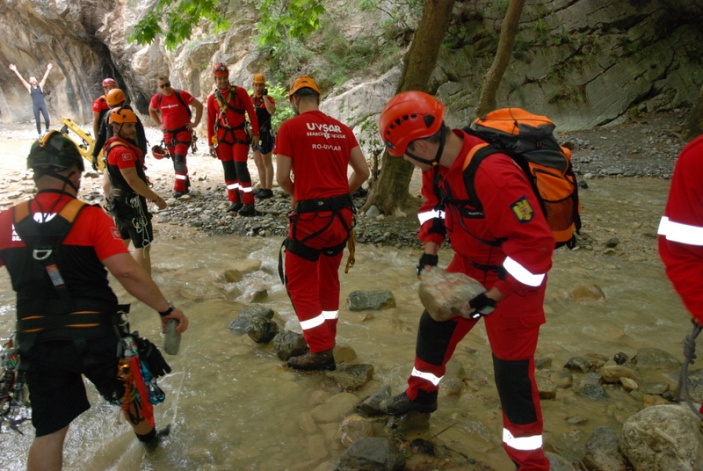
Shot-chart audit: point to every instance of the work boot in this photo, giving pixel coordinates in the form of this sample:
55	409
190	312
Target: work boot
158	437
320	361
178	194
247	210
234	207
402	404
264	193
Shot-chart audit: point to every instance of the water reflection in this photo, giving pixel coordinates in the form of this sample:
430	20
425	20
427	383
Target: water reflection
232	405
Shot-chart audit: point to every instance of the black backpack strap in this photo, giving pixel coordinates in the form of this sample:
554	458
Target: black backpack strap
470	173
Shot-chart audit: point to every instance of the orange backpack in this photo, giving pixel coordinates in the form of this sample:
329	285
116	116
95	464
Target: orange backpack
529	140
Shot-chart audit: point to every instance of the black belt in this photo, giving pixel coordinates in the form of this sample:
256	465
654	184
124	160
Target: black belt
324	204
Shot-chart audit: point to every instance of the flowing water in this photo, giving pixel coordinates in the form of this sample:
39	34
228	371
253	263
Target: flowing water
233	406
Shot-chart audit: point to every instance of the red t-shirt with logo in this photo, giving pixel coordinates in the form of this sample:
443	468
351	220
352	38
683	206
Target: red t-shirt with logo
319	147
100	104
173	114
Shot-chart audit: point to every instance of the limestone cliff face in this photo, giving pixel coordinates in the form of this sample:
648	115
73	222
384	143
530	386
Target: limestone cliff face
582	62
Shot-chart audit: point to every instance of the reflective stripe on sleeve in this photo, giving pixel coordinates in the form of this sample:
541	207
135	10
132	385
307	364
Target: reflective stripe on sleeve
330	315
522	274
312	323
426	376
522	443
681	233
427	215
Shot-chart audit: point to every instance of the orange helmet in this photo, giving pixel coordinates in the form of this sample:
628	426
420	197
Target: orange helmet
303	82
114	97
409	116
122	115
259	78
109	82
159	152
220	70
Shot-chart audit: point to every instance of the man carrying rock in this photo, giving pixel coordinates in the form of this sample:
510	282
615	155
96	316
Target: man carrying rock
316	150
507	248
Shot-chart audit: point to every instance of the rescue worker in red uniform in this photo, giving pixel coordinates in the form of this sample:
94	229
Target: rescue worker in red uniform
66	320
317	150
100	106
507	247
681	229
170	110
130	189
265	106
228	138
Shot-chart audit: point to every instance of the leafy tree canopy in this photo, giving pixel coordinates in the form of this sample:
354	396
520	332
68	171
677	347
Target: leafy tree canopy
174	20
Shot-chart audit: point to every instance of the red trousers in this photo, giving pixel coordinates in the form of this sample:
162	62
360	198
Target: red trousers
237	178
313	286
178	145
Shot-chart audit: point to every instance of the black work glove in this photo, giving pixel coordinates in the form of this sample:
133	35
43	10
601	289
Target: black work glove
265	92
150	354
481	305
427	259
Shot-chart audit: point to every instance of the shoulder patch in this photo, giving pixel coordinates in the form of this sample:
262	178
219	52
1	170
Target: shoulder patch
523	210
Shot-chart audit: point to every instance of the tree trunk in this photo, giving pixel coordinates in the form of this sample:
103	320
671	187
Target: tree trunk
694	122
492	79
391	190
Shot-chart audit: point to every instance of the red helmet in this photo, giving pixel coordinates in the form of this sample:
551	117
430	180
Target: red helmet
109	82
220	70
409	116
159	152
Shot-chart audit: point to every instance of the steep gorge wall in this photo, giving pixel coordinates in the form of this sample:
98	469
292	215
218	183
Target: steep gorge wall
582	62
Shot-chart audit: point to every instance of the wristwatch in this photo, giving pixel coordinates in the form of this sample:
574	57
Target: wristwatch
167	311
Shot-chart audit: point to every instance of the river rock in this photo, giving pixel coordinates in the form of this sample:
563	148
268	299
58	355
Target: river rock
354	428
371	454
614	373
603	451
444	294
655	358
371	405
352	377
289	344
370	300
664	437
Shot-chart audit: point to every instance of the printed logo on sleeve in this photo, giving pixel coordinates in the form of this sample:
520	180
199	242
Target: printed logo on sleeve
523	210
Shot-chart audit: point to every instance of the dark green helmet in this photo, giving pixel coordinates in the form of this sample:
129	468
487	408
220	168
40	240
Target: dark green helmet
55	150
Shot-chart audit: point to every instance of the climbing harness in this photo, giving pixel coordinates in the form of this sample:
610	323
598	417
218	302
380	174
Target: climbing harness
14	408
689	353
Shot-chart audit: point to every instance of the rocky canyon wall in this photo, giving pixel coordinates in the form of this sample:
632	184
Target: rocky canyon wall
582	62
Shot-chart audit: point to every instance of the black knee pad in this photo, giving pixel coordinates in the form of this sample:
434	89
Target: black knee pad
433	339
515	390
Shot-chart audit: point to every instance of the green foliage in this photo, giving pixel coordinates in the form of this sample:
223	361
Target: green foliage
175	19
293	19
284	110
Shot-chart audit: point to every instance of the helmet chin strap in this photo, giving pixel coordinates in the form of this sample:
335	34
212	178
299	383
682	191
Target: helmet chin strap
51	172
434	162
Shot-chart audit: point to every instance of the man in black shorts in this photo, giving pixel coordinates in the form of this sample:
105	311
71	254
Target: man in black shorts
130	188
66	309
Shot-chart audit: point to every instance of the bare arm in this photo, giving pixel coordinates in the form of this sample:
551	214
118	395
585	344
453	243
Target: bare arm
283	168
46	74
24	82
155	116
269	104
361	169
140	285
198	105
132	178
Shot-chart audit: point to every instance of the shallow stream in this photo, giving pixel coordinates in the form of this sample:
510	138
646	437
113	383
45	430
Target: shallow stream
233	406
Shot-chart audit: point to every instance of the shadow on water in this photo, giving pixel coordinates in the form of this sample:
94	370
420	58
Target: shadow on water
233	405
